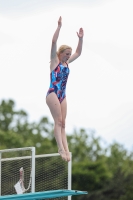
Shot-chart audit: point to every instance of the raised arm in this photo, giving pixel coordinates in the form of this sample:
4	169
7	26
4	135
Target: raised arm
78	51
54	40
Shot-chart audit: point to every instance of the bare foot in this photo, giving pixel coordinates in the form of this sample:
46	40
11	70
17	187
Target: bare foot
62	154
68	155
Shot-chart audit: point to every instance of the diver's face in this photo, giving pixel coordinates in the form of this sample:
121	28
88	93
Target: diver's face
65	55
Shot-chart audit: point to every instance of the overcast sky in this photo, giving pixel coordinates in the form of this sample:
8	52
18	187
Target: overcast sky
100	85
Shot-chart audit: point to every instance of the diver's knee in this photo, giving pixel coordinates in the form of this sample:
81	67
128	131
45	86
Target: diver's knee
59	121
63	124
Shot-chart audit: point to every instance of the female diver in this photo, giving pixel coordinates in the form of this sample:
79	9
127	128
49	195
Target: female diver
56	95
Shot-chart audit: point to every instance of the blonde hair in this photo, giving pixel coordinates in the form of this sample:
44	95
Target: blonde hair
62	48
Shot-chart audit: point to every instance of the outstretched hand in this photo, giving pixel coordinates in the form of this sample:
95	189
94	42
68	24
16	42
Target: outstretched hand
60	21
80	34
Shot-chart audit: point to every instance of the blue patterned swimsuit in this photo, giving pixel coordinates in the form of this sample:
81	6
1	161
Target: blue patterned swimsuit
58	81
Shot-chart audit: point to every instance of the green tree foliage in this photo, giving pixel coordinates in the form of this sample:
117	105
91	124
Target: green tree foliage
85	145
16	131
120	187
106	173
6	114
93	173
120	158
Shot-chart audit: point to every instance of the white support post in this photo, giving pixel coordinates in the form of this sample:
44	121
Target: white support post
70	175
33	171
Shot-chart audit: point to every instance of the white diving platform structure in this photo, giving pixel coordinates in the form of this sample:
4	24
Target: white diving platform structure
44	175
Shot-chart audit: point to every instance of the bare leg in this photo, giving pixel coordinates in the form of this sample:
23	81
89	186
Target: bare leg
55	109
63	134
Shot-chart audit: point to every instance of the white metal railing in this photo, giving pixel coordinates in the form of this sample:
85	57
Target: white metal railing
32	149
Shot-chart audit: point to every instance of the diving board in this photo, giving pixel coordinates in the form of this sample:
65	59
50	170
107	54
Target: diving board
43	195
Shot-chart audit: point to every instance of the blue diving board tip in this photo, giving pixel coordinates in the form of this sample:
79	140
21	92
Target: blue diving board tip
43	195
